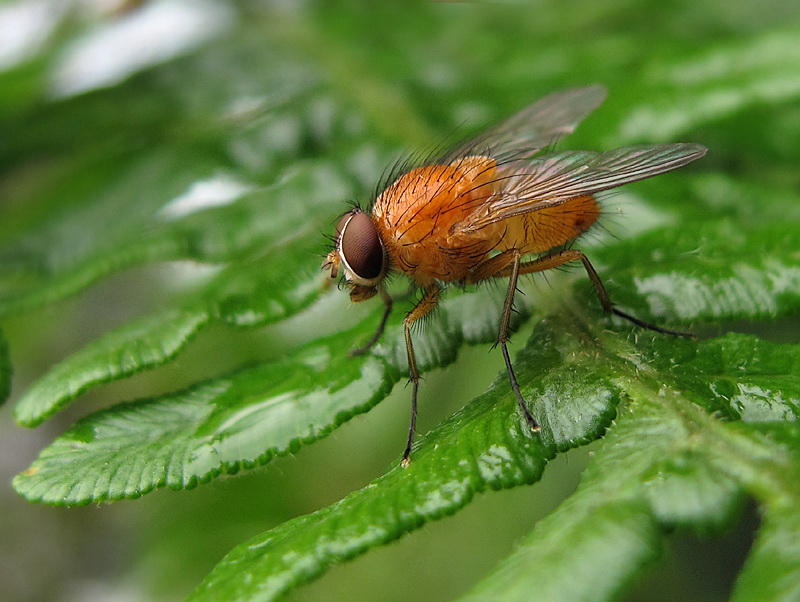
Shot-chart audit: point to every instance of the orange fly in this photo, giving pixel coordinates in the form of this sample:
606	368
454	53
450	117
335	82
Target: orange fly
481	210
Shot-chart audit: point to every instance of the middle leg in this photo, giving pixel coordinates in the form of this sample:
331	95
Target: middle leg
502	338
508	263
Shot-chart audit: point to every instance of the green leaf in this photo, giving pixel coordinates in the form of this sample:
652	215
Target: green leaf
241	420
5	369
231	163
650	475
484	446
220	426
255	223
772	572
150	341
252	295
711	270
587	569
664	464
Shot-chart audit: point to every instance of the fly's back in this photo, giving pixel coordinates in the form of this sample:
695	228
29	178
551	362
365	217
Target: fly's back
418	218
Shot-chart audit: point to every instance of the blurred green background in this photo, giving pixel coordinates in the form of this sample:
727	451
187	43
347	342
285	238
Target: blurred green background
155	94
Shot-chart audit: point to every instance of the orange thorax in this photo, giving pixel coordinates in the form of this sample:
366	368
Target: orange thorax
417	219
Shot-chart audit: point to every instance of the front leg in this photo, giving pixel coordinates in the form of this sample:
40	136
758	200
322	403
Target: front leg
426	304
387	302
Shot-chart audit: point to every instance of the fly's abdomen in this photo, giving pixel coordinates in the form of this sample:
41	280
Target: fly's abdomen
551	227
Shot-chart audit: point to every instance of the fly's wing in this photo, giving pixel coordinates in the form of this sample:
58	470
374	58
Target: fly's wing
556	178
533	128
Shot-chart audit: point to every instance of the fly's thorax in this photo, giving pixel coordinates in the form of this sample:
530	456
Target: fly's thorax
436	196
418	216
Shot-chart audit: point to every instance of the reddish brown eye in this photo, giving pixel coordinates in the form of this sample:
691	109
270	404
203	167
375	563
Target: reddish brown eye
342	223
361	247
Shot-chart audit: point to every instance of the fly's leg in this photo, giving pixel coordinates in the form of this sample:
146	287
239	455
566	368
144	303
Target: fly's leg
502	338
608	306
427	303
507	264
387	302
554	261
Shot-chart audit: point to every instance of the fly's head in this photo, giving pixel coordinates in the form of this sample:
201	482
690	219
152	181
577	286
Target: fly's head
359	255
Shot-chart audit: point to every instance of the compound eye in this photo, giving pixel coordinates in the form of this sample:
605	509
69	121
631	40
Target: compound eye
342	223
361	247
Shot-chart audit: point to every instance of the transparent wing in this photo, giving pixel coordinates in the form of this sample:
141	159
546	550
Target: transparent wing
556	178
535	127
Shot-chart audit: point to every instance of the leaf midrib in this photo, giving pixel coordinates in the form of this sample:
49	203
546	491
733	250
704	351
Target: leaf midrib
766	471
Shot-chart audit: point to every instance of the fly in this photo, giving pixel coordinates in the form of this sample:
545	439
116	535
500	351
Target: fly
499	206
